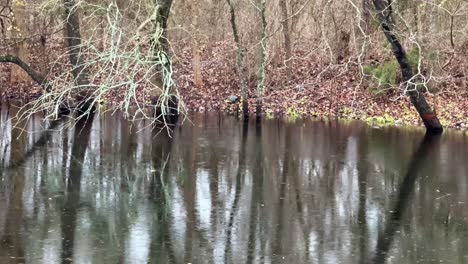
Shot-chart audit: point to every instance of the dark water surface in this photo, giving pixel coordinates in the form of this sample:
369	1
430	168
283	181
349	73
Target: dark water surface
112	191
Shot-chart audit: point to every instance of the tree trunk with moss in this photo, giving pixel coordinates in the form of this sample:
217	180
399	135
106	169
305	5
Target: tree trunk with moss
428	116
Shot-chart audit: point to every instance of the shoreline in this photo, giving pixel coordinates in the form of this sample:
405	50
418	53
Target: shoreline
375	121
312	90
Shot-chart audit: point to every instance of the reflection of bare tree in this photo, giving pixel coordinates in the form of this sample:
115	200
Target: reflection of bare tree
69	211
161	239
235	203
405	195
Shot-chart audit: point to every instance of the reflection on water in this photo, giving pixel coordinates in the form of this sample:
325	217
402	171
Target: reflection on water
219	191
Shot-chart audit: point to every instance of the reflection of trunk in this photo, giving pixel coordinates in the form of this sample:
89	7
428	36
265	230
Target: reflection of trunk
235	203
160	239
418	100
214	185
404	197
240	63
64	154
296	177
362	170
277	250
11	244
189	189
79	71
127	153
69	211
257	188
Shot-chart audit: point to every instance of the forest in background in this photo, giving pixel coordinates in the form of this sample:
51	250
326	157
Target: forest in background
294	58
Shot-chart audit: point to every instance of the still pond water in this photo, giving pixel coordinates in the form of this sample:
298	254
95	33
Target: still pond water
216	191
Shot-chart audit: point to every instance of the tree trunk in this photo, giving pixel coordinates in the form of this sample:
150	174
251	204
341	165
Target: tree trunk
162	18
417	98
286	35
161	50
239	62
196	56
11	239
263	60
79	71
19	29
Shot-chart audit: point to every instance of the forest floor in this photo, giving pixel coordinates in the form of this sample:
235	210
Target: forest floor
308	87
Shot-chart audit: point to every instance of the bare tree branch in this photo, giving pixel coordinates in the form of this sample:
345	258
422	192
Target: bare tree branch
37	77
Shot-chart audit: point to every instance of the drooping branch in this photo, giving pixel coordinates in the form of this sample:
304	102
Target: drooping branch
37	77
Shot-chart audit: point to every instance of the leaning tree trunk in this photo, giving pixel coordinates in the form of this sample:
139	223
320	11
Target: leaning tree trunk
79	71
428	116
